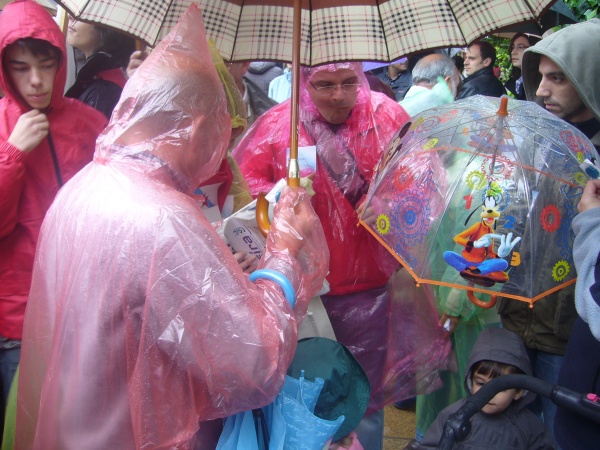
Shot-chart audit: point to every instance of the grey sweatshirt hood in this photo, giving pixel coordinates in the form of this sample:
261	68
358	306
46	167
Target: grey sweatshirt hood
503	346
260	67
573	49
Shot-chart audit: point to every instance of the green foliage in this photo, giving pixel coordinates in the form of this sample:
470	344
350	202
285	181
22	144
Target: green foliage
584	9
502	55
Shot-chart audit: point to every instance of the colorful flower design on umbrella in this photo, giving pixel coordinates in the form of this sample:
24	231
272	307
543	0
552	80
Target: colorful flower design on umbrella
411	216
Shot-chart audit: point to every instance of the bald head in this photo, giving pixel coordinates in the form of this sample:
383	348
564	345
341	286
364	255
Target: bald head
427	71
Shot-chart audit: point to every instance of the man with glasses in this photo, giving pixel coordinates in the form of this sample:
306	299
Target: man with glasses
479	66
348	127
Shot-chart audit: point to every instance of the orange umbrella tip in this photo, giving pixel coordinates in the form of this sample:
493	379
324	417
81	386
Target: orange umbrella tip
503	110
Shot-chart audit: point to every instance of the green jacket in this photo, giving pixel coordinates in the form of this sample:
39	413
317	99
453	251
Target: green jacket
546	326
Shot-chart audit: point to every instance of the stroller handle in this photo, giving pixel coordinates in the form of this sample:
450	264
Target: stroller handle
458	425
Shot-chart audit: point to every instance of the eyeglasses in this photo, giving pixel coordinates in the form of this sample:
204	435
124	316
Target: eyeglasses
328	90
518	47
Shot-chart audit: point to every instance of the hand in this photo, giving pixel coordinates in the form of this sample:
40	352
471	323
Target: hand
367	215
31	128
507	244
452	322
135	60
294	224
590	197
248	263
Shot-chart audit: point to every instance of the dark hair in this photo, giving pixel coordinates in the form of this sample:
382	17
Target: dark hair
375	84
119	45
459	62
515	72
494	369
39	47
486	50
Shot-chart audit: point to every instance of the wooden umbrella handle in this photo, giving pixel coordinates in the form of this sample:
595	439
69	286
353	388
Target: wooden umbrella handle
481	303
262	214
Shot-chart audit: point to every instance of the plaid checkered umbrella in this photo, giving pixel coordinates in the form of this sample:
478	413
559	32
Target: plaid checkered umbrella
332	30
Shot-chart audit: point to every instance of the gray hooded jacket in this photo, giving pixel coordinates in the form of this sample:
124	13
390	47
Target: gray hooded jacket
578	62
516	427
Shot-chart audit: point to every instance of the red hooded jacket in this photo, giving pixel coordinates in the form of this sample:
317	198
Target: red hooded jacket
28	181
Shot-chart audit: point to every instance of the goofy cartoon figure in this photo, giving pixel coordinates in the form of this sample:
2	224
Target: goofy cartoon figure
479	263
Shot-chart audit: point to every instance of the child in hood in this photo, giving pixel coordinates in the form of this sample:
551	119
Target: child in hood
503	422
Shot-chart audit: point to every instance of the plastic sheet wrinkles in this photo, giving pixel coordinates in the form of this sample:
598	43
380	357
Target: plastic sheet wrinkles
140	322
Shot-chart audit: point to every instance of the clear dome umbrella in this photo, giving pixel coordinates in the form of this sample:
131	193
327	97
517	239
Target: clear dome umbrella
479	195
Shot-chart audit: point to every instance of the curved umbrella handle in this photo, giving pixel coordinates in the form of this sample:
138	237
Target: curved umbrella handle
279	278
262	214
481	303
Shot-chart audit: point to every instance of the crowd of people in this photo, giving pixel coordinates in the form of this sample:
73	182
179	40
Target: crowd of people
125	319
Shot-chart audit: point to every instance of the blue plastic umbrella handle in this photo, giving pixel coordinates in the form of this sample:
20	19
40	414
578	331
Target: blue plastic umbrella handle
279	278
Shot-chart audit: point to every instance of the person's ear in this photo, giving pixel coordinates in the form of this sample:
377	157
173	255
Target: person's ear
519	394
487	62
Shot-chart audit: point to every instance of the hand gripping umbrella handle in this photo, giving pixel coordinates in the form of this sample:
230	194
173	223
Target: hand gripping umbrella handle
279	278
481	303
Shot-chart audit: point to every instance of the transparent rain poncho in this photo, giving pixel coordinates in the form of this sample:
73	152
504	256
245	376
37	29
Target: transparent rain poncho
346	157
140	324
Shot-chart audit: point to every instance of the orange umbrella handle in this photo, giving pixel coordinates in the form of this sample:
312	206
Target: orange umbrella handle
262	214
481	303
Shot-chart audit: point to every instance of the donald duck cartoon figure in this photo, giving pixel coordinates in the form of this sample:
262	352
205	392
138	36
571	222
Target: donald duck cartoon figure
479	263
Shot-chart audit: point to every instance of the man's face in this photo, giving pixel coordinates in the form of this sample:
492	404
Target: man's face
32	76
473	60
501	400
333	103
559	95
401	66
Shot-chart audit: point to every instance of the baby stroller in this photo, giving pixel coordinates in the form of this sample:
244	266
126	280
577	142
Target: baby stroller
458	426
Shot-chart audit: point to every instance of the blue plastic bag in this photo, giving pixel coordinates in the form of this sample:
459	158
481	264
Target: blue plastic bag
290	422
239	433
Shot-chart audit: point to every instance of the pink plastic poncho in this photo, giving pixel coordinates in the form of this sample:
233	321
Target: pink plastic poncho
140	324
350	151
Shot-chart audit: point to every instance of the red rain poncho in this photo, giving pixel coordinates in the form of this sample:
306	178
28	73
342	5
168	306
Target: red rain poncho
360	140
140	323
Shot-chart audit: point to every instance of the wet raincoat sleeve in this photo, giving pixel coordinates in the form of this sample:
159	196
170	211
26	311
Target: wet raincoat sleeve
12	176
140	322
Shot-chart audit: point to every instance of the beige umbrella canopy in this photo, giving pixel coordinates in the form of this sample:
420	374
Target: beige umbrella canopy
313	32
332	30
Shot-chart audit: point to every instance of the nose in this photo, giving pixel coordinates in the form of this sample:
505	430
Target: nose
338	94
542	90
36	77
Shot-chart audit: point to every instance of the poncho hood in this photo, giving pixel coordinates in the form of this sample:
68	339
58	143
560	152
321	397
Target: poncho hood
162	115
